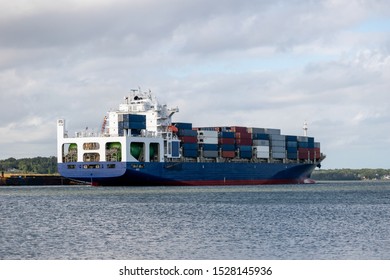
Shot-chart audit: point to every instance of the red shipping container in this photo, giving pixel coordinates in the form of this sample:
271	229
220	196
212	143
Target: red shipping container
303	153
243	135
317	153
244	141
228	154
238	129
230	141
188	139
309	153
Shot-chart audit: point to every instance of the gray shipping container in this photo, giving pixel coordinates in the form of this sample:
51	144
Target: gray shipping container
210	154
272	131
303	139
278	143
278	149
256	130
277	137
278	155
260	142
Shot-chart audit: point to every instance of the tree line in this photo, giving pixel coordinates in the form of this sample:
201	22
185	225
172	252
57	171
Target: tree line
351	174
36	165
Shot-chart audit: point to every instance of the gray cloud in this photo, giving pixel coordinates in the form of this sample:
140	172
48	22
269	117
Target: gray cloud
254	63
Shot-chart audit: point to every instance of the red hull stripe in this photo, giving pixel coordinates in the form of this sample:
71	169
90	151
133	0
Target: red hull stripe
237	182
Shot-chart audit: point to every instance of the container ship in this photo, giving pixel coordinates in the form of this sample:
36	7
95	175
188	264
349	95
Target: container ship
139	145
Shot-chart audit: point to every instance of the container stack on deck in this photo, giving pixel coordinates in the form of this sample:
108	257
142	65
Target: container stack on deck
132	123
208	142
292	147
308	149
189	139
260	142
237	142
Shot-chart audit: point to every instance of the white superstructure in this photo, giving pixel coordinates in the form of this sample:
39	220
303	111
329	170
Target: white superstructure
158	117
138	131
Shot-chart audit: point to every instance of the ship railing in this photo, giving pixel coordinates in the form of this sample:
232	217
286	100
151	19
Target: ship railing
87	133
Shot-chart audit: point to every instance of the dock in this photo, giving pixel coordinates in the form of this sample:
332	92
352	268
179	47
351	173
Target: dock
33	180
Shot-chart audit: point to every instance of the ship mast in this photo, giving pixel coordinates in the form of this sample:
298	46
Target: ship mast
305	128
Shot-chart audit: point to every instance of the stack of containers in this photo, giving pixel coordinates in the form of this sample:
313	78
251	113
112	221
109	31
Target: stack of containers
243	140
260	142
226	142
303	147
313	150
292	146
278	146
317	150
134	123
188	138
121	128
208	141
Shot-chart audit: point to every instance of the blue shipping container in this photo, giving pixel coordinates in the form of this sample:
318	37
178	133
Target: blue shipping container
190	153
190	146
292	155
187	132
245	154
228	147
260	136
181	125
226	134
292	150
134	118
303	144
135	125
291	138
245	148
210	147
292	144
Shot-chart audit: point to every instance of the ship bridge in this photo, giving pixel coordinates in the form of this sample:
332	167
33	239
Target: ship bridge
158	116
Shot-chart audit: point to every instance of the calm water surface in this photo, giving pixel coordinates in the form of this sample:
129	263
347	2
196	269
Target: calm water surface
330	220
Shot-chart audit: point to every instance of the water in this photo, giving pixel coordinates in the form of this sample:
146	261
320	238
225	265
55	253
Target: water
331	220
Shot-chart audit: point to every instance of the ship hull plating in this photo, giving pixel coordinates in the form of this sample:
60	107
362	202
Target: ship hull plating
187	173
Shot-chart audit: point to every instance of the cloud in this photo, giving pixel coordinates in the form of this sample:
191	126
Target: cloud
255	63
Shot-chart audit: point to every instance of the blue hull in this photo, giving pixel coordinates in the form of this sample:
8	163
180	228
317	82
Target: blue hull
186	173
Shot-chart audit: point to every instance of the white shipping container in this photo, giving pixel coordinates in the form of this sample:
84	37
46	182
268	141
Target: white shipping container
208	133
208	140
261	149
262	155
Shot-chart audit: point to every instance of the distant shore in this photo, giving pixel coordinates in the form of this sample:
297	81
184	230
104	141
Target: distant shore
33	179
346	174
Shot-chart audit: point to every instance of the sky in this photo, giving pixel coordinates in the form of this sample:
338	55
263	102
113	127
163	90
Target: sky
255	63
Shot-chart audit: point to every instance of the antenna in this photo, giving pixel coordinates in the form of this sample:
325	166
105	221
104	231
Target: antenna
305	128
